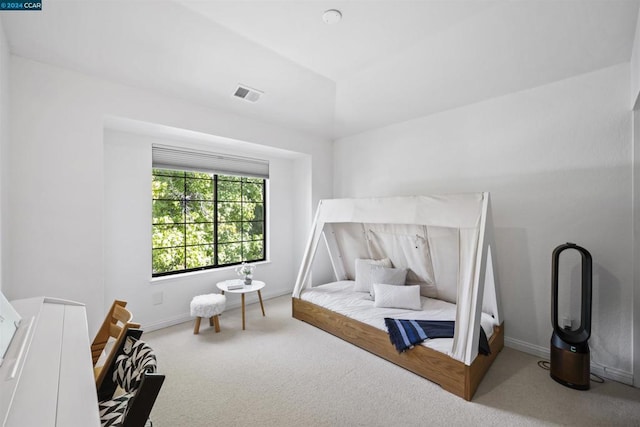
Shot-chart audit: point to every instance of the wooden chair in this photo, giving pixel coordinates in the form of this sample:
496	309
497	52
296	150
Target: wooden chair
135	373
114	327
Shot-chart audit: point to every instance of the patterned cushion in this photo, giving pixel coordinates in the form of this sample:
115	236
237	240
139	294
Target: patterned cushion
112	411
130	367
129	370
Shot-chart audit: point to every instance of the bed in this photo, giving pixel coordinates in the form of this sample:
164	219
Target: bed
444	243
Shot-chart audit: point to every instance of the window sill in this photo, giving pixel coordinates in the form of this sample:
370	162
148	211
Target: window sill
194	274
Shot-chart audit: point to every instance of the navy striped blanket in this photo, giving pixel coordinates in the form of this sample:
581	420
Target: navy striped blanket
404	334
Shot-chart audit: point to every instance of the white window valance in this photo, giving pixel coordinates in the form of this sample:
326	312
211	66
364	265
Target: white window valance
167	157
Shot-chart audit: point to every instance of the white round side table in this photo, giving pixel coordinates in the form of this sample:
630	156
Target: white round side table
255	286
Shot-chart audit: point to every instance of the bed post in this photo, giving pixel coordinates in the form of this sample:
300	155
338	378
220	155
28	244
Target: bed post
491	299
484	280
309	253
334	252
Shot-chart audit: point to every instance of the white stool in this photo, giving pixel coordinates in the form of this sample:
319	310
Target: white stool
207	306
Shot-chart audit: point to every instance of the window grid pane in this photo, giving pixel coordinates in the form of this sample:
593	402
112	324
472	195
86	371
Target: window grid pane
203	221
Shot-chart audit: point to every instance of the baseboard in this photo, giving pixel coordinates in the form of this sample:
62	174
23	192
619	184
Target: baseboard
526	347
186	316
150	327
613	374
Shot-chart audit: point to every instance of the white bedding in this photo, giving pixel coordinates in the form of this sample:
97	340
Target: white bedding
340	298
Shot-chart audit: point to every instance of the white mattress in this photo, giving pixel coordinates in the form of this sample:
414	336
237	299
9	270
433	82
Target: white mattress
340	298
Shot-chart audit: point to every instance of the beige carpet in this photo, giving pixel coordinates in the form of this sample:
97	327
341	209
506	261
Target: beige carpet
283	372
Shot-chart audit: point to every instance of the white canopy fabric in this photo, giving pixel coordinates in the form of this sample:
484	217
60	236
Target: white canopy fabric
470	214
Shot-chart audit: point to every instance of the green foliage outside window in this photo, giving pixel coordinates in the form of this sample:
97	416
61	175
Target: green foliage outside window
203	220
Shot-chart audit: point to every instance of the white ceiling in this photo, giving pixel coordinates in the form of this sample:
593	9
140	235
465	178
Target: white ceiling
369	31
385	62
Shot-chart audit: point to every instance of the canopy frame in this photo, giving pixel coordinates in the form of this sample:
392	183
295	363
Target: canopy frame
478	286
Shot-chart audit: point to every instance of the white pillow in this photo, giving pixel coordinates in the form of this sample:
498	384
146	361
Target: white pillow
391	296
388	276
363	272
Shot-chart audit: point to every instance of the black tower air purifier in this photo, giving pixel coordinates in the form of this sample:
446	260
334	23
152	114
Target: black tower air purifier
570	360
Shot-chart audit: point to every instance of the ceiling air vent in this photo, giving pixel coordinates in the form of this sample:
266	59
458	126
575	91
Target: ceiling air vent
247	93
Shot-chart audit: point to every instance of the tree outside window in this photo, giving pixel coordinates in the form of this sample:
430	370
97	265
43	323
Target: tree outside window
203	220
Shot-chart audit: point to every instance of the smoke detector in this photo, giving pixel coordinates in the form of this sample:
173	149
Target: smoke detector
332	16
247	93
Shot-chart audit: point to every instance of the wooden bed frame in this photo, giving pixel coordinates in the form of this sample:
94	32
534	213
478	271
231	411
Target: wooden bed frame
452	375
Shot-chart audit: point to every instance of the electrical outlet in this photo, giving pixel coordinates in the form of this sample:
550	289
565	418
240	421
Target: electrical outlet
156	298
566	323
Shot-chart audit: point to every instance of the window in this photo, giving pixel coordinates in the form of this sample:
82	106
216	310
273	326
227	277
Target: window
205	220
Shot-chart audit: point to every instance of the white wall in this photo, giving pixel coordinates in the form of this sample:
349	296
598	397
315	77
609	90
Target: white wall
128	233
4	144
635	66
557	161
56	242
635	103
636	247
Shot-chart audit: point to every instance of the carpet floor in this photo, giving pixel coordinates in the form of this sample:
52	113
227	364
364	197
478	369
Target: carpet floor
283	372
